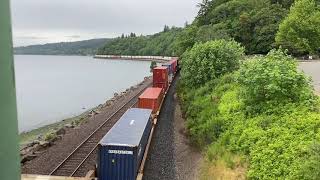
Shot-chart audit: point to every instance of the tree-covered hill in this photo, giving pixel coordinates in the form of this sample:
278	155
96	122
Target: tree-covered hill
86	47
253	23
159	44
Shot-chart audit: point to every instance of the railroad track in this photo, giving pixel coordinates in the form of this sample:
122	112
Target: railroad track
86	150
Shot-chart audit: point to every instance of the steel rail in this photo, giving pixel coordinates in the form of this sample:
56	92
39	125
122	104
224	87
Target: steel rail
91	135
90	153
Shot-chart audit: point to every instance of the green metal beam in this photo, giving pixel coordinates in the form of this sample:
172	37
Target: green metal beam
9	138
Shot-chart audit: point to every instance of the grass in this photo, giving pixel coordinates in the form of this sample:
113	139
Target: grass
226	167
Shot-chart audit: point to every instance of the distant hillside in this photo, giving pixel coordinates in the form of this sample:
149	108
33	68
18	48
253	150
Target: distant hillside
86	47
159	44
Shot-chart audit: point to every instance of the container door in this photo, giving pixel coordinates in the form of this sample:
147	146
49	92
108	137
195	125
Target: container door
118	164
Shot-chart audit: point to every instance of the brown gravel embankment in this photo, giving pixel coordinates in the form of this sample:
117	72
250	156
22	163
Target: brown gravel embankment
49	158
171	157
188	159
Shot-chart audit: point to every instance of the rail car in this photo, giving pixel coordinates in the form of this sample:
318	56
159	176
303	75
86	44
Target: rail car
126	160
123	150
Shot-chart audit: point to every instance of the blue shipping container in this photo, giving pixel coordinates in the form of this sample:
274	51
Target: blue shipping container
169	66
121	149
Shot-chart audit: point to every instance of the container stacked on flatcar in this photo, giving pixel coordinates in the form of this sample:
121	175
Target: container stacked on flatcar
174	65
125	146
151	98
160	78
122	148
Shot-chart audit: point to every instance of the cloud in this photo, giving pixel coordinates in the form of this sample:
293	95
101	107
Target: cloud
107	18
31	37
73	36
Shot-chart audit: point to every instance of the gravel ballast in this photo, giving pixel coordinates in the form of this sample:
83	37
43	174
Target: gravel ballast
170	155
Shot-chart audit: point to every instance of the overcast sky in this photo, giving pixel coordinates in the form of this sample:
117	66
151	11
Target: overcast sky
43	21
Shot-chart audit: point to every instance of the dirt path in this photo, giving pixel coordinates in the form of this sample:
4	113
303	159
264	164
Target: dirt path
170	156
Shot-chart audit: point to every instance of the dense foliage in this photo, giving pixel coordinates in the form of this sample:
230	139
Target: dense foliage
160	44
87	47
277	141
250	22
300	30
207	61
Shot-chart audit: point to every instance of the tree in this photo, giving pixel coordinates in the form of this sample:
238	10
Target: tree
283	3
166	28
265	24
185	40
133	35
300	30
213	32
153	65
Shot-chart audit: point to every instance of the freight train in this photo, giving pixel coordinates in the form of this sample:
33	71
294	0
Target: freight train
123	150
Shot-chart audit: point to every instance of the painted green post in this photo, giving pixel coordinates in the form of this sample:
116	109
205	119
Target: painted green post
9	148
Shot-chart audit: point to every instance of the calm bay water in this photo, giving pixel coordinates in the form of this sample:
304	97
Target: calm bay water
52	88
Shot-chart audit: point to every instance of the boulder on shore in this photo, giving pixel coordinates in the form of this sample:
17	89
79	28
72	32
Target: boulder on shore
27	157
61	131
69	126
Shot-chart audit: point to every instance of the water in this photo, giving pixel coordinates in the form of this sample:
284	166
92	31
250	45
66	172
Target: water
52	88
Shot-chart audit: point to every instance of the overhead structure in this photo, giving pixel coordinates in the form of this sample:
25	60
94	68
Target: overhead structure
9	149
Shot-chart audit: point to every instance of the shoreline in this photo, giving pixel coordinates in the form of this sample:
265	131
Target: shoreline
38	134
160	59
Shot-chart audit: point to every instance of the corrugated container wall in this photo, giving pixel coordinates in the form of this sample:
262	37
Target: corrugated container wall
174	65
169	66
121	149
160	78
151	99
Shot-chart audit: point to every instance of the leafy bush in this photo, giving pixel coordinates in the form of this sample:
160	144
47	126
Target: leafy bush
207	61
311	165
273	80
209	109
275	144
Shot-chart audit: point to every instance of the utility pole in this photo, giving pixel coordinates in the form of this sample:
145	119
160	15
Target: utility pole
9	139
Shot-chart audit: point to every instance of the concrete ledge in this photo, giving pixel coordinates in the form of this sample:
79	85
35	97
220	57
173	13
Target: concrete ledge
43	177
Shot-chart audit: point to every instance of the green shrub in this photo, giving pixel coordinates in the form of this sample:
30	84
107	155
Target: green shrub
49	136
206	119
311	165
207	61
273	80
